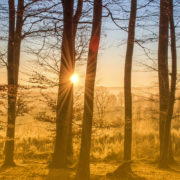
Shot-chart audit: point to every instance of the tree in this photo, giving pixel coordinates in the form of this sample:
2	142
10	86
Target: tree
124	170
83	171
103	100
17	21
127	83
64	114
76	19
163	68
65	92
15	29
166	144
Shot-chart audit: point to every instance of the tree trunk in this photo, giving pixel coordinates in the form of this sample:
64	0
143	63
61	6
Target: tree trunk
65	92
163	68
9	144
167	130
76	19
18	38
13	71
127	83
83	171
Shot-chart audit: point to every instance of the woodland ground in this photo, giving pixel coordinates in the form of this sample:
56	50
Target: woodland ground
33	151
38	170
34	145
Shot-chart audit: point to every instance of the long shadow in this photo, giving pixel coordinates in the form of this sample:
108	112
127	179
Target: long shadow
60	174
6	167
171	169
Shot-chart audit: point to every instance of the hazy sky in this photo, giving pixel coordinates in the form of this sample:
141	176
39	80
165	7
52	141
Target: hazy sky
110	71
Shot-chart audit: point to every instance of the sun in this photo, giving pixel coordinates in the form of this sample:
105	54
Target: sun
74	78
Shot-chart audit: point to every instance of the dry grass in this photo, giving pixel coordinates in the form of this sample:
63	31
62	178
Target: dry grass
34	146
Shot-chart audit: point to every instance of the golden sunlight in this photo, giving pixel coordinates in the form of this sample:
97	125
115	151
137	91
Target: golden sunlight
74	78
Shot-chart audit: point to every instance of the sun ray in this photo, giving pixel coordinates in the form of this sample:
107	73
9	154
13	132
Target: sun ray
74	78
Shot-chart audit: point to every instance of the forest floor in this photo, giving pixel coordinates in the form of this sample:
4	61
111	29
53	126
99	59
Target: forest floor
38	170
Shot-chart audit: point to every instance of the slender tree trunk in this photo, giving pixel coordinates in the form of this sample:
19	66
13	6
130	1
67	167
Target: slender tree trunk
127	83
65	92
83	171
18	34
13	71
76	19
9	144
167	134
124	170
163	68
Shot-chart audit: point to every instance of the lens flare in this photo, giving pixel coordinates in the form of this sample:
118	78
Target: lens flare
74	78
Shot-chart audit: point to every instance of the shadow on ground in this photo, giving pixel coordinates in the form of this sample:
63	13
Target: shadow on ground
36	170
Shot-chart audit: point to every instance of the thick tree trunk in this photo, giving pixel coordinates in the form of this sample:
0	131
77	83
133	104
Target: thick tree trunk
164	159
65	93
13	71
163	68
67	151
127	82
76	19
83	171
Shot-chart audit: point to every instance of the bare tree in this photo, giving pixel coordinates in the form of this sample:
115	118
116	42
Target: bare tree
83	171
163	68
127	82
76	19
15	29
63	145
18	19
166	143
103	100
65	91
124	170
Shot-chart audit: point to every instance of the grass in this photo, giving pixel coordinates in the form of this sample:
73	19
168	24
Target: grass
34	147
33	154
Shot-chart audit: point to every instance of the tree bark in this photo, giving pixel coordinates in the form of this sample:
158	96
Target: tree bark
67	151
18	38
65	91
83	171
13	71
167	130
9	144
163	68
76	19
127	83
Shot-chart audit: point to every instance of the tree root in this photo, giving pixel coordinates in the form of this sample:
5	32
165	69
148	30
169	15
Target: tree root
7	165
123	172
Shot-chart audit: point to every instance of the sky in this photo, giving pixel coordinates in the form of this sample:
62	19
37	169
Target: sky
110	69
